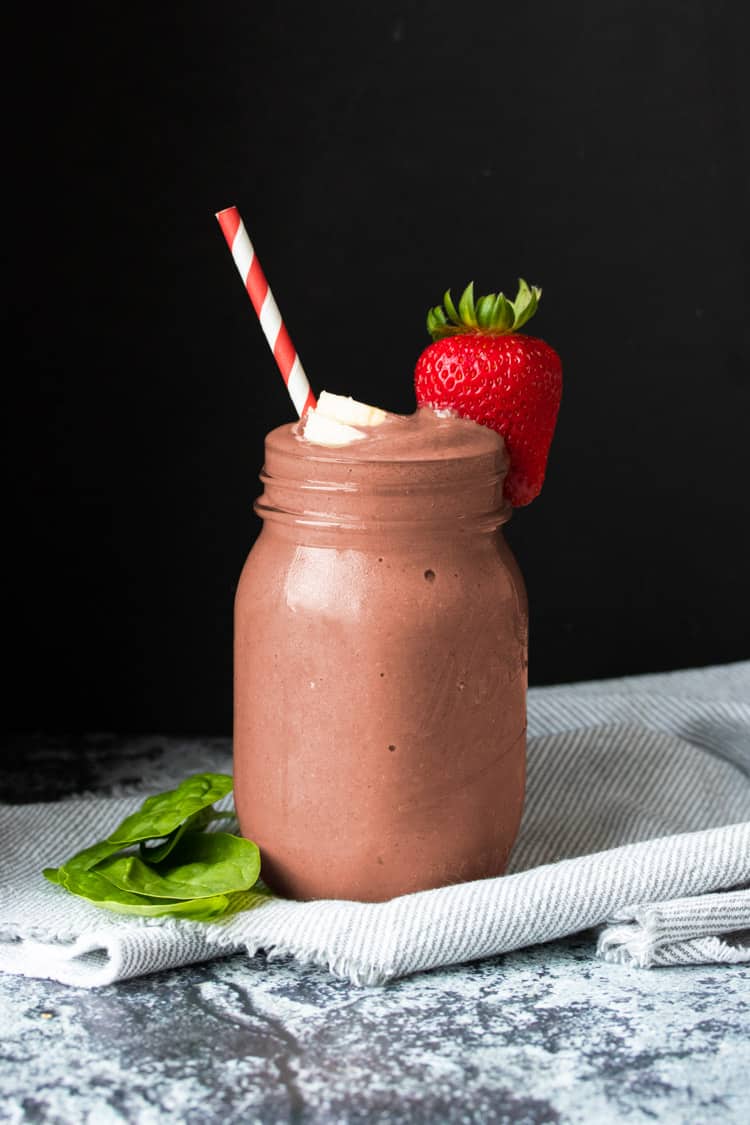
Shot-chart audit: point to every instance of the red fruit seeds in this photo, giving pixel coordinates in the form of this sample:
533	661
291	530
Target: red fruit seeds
484	369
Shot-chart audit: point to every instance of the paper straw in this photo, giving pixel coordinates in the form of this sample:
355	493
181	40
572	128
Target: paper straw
265	306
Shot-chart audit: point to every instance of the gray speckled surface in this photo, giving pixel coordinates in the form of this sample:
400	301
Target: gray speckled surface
542	1035
538	1036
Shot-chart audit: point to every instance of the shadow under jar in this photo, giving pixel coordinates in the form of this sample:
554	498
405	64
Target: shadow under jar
380	664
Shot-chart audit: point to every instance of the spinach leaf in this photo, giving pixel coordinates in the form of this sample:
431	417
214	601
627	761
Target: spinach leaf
200	866
158	816
195	823
81	861
185	871
94	887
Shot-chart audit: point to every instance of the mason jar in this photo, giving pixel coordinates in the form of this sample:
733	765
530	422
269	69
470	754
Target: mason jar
380	669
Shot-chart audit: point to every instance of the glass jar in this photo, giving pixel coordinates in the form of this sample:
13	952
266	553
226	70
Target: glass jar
380	673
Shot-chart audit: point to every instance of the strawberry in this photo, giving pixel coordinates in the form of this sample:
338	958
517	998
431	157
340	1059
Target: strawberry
484	369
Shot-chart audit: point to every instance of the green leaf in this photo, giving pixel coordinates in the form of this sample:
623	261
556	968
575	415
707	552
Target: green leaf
88	858
189	872
521	302
159	815
195	823
502	314
484	309
201	865
98	890
450	308
466	311
526	303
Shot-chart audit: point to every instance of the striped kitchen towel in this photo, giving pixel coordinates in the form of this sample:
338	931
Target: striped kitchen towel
637	822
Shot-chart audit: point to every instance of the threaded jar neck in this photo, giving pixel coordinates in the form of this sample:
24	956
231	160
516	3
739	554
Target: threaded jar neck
326	491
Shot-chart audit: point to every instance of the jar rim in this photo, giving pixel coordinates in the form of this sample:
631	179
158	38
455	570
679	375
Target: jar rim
326	488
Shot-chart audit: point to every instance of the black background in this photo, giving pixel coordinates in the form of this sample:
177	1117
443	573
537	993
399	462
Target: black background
378	153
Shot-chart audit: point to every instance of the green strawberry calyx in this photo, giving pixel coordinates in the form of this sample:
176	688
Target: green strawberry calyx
492	315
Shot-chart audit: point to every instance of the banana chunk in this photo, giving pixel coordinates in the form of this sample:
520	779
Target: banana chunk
349	412
326	431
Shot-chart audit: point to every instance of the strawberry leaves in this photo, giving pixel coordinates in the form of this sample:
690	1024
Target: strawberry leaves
466	310
493	314
526	303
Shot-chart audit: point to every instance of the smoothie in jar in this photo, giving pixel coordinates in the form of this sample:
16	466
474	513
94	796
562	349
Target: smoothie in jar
380	662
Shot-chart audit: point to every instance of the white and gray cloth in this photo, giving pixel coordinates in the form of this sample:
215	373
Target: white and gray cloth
637	822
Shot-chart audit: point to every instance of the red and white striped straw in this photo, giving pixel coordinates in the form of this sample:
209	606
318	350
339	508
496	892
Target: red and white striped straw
265	306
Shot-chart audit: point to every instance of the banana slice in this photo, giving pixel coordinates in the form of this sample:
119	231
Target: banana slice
326	431
345	409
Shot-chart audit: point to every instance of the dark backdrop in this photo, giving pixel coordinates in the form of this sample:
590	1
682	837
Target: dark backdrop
378	153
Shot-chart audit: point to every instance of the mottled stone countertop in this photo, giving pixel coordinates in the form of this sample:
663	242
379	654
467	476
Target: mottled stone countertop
543	1035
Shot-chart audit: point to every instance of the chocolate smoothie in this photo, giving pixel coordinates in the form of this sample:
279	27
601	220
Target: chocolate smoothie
380	663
